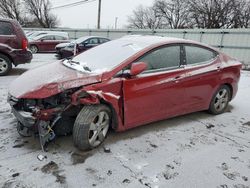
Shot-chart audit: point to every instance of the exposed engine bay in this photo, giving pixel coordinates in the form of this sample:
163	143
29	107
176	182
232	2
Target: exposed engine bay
48	118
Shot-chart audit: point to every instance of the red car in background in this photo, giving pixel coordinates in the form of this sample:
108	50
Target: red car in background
47	42
122	84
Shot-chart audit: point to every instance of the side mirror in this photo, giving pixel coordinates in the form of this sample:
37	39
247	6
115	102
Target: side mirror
85	44
137	68
80	45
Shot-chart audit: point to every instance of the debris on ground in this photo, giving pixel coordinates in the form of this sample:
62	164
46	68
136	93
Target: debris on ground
126	181
15	175
78	158
209	126
106	150
53	168
41	157
50	167
18	145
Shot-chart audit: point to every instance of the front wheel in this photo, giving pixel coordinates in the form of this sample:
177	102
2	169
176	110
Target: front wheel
91	126
220	100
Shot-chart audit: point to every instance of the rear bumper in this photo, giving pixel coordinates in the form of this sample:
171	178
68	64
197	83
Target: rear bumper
21	56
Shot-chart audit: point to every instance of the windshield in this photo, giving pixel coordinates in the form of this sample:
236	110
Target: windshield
108	55
80	40
36	36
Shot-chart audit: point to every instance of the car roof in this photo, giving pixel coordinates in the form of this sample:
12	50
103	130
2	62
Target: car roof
151	40
81	39
7	20
48	34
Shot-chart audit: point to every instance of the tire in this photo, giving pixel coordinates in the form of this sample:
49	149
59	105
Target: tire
5	65
33	49
220	100
91	126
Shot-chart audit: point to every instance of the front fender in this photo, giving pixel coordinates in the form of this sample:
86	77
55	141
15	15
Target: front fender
91	97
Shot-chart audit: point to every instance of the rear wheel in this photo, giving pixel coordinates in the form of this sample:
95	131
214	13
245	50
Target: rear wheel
91	126
220	100
33	49
5	65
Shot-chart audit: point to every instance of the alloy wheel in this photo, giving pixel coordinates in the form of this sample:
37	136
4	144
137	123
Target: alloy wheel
98	129
33	49
221	99
3	65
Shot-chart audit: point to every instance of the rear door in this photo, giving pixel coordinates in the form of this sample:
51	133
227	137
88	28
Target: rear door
58	39
103	40
8	35
47	43
202	75
156	93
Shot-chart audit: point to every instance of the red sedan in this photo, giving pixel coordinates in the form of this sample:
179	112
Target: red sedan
122	84
47	42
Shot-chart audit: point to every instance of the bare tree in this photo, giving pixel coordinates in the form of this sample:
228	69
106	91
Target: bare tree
212	13
240	17
41	11
192	13
12	9
145	18
174	13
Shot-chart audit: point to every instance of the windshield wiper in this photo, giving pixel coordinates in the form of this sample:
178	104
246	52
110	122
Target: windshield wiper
85	67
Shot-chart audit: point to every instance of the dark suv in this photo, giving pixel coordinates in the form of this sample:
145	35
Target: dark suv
13	46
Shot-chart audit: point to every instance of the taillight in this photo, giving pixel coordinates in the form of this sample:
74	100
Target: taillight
24	44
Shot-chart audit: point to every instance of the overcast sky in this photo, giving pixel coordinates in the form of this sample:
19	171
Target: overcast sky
85	15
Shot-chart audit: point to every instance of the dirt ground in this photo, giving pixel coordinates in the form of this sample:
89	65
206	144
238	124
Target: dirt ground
195	150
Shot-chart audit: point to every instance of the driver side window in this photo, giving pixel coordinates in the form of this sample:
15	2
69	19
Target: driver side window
162	58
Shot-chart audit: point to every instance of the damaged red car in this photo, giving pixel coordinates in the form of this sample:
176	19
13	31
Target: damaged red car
122	84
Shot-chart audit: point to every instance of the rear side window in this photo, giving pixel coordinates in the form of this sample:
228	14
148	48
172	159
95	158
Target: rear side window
6	28
166	57
60	37
49	37
195	55
103	40
93	41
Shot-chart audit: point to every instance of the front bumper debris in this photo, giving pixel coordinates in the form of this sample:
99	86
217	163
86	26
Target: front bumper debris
46	134
25	118
27	123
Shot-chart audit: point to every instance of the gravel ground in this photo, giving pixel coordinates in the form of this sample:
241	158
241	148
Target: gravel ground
195	150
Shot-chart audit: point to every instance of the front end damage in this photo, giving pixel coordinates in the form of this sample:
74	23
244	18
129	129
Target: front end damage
55	115
41	116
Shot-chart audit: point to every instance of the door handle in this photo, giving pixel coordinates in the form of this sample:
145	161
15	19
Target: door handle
218	68
176	79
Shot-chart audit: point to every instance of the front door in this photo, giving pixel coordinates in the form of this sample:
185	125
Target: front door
158	92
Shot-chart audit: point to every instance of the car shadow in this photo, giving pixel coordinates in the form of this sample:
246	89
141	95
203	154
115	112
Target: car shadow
65	143
155	127
17	71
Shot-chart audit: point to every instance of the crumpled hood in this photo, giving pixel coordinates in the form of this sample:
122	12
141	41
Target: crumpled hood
48	80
